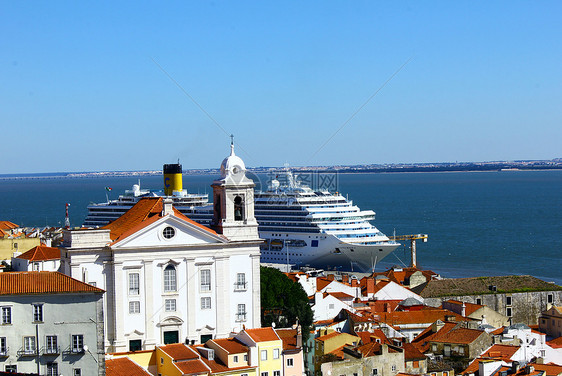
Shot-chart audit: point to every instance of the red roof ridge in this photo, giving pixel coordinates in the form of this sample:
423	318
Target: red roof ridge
41	253
34	283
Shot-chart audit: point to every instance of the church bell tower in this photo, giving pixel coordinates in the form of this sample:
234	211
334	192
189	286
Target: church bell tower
233	200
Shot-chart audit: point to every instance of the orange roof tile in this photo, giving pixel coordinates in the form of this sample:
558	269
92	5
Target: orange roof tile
32	283
263	334
427	315
289	338
339	295
7	225
505	352
124	367
231	346
328	336
411	353
555	343
194	366
459	336
145	212
551	369
41	253
470	308
179	352
322	282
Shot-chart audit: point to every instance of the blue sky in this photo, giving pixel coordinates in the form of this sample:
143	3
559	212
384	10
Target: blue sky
79	90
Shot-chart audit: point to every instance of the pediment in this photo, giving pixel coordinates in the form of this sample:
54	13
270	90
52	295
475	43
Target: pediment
169	231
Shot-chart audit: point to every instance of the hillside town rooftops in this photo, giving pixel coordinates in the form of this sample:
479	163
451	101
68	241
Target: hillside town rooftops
179	352
230	345
289	338
483	285
35	283
262	334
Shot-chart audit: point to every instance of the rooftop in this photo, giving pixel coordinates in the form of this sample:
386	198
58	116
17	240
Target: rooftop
41	253
34	283
124	367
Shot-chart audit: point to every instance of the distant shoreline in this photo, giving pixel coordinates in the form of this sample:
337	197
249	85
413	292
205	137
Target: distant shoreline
543	165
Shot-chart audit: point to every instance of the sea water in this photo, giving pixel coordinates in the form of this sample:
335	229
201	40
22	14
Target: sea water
479	223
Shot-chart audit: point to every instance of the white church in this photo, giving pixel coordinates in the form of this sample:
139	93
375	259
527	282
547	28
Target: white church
169	279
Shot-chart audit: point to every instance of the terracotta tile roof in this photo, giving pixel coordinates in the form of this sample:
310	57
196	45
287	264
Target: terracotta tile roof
322	282
555	343
217	366
551	369
370	349
179	352
124	367
263	334
505	352
41	253
231	346
328	336
368	337
424	316
481	285
191	367
470	308
34	283
411	353
338	352
145	212
498	331
458	336
7	225
339	295
404	273
422	340
289	338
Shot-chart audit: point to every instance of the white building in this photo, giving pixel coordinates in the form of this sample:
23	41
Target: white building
169	279
50	324
39	258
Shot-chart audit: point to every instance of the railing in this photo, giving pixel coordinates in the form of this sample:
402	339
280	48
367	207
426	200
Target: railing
27	352
4	352
240	286
241	316
50	350
73	351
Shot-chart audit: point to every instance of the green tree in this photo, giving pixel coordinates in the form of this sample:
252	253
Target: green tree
283	301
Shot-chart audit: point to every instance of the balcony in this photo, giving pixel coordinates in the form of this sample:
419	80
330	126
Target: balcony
74	351
240	286
241	316
27	352
50	350
4	352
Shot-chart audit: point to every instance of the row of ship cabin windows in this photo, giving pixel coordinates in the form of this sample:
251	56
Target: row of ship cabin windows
170	281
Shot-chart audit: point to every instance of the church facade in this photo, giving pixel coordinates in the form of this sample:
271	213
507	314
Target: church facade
169	279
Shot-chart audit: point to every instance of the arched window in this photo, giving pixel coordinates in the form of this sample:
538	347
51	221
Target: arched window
170	279
238	209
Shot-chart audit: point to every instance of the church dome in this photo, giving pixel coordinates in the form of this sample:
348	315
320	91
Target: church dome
233	164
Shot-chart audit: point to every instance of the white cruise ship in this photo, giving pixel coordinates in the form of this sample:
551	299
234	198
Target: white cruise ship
300	226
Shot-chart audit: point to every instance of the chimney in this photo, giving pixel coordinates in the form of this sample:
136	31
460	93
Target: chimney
299	337
514	366
330	277
529	370
370	285
167	207
354	283
463	310
345	278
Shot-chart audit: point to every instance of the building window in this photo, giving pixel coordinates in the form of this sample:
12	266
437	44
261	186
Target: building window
29	345
330	306
375	371
51	345
170	305
6	315
205	280
289	362
206	302
241	281
77	372
3	346
508	300
245	357
550	298
434	348
169	232
461	350
38	312
135	345
416	364
479	301
235	358
276	373
275	353
52	369
134	307
134	285
393	368
508	312
264	373
241	314
77	343
264	355
12	368
170	279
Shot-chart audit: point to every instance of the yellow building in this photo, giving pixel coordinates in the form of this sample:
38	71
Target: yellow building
330	343
266	349
14	239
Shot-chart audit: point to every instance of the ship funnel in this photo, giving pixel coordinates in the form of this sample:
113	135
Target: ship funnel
172	178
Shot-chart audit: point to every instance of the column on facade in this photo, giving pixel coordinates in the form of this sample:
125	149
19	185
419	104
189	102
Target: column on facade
118	306
223	290
256	295
150	324
191	304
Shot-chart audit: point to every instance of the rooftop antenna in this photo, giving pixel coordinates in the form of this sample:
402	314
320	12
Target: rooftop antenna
66	218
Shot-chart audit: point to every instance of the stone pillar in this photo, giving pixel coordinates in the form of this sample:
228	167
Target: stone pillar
118	306
191	304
